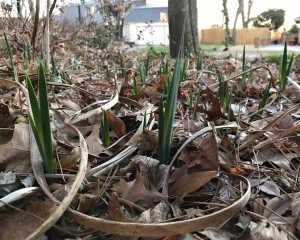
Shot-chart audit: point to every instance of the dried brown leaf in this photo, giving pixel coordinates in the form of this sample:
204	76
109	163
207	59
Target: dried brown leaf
15	153
70	160
277	207
135	191
286	123
116	124
270	188
18	225
94	142
191	182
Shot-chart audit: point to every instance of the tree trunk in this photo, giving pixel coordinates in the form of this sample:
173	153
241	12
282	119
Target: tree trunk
31	9
246	21
226	22
19	8
239	11
177	10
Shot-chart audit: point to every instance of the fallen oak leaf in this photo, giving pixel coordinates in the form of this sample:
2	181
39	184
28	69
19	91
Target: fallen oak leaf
191	182
94	142
116	124
115	213
114	210
15	153
135	191
19	225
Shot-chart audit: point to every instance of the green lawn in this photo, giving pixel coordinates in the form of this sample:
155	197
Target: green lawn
163	48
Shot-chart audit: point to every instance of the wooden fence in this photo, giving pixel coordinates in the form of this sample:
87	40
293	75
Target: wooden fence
243	36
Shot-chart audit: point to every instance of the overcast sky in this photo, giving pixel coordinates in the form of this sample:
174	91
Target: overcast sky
210	11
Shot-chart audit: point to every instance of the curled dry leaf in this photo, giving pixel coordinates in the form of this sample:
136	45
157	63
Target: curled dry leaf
201	166
18	225
156	90
135	191
266	230
116	124
116	213
270	188
191	182
115	210
267	154
214	112
154	215
283	207
94	142
4	114
151	169
14	155
286	123
71	160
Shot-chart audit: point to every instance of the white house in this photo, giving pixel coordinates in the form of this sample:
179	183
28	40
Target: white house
146	23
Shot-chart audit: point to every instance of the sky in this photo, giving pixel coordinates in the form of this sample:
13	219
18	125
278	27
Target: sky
209	12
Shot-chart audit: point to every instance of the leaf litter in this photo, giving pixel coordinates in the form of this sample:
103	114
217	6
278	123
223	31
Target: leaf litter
122	191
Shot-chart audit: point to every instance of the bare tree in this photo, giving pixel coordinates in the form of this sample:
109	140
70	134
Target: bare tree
31	9
241	10
113	13
177	10
248	20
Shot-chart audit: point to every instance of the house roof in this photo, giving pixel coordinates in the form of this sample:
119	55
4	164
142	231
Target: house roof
162	4
145	14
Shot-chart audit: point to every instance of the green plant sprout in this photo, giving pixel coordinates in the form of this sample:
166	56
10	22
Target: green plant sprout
225	94
284	68
199	66
105	130
142	71
123	67
264	98
16	77
39	119
244	66
197	100
54	69
167	110
135	87
190	102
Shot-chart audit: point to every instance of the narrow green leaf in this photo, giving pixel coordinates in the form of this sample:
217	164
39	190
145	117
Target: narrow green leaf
142	73
135	87
244	66
167	119
284	68
50	162
35	109
264	98
36	136
161	133
16	77
105	130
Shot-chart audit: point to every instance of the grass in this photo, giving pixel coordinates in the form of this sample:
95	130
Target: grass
276	57
157	49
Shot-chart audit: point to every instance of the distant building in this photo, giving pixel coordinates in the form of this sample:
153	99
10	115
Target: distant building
146	23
